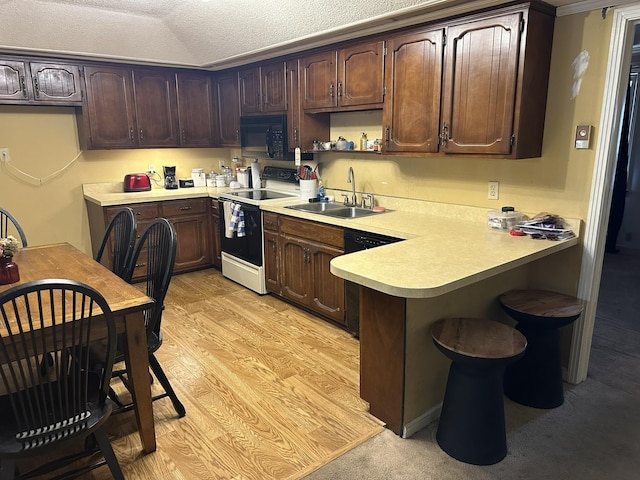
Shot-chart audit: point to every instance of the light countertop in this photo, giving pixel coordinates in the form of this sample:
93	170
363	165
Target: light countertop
446	247
109	194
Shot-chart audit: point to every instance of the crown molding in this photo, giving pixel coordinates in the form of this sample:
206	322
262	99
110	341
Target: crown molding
589	5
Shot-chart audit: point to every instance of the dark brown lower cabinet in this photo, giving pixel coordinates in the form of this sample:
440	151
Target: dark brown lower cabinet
191	218
297	264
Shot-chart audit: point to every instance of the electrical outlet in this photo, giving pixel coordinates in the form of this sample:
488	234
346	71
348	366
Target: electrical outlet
152	168
4	155
494	190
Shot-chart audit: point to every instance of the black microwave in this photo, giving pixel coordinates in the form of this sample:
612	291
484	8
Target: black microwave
265	137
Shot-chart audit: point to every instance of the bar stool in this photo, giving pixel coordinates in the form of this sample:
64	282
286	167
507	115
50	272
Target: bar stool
472	424
536	380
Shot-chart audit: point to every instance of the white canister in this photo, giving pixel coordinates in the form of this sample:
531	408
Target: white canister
243	177
308	189
199	179
221	181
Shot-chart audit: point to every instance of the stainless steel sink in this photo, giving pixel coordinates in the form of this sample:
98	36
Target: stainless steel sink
332	209
317	207
350	212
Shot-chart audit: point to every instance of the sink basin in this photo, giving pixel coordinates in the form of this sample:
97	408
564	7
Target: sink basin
332	209
317	207
350	212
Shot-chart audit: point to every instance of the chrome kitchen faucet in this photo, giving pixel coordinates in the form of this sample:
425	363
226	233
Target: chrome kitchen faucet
352	180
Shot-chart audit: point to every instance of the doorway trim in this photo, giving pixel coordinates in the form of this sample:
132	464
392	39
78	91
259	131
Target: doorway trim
618	64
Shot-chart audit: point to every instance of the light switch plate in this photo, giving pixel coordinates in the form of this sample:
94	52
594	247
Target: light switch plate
583	136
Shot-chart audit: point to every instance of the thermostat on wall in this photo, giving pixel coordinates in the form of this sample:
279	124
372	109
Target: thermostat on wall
583	136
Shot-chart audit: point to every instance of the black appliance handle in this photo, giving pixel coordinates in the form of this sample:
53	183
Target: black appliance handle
269	141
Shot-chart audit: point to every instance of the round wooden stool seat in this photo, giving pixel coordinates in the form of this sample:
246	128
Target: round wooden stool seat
472	425
536	379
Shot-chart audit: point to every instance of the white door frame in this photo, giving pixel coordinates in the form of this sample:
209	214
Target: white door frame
616	81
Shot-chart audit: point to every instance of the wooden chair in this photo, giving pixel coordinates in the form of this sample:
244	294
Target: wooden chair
158	248
51	396
472	424
9	225
122	233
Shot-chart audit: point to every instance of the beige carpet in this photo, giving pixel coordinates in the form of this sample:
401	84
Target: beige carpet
594	435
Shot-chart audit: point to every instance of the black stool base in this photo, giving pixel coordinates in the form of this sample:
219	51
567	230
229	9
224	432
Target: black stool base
536	379
472	425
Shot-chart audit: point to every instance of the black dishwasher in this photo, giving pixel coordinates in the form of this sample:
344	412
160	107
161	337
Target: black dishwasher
354	241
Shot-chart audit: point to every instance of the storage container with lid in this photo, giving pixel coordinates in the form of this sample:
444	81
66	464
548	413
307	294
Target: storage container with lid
199	179
504	219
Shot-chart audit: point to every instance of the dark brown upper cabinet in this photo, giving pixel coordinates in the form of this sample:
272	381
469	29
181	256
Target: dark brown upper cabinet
39	83
108	118
227	98
351	78
303	127
263	89
496	73
128	108
413	79
196	109
156	108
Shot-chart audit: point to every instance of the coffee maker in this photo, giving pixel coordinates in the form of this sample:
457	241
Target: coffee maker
170	181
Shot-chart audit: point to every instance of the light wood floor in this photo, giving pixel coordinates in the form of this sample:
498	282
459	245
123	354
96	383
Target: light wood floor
271	392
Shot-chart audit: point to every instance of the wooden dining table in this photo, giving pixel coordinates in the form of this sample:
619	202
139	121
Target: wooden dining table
127	303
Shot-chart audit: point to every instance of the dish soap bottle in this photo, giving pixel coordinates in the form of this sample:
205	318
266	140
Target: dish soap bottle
363	141
321	194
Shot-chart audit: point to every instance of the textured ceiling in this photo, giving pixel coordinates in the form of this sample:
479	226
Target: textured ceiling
204	33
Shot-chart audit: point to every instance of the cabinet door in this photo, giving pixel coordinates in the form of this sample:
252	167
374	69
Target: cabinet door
303	127
274	91
196	116
271	262
296	270
155	107
193	248
411	111
250	91
361	75
56	84
228	110
318	83
481	75
14	84
110	110
328	290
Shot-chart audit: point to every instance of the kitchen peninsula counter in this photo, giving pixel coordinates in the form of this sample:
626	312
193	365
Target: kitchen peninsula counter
446	248
449	265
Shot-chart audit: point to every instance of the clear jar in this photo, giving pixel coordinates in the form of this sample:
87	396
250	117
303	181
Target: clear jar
504	219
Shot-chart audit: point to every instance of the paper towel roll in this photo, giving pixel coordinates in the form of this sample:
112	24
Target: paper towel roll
255	175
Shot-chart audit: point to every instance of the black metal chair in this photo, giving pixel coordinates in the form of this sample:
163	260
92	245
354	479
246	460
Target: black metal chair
9	225
156	249
51	397
122	232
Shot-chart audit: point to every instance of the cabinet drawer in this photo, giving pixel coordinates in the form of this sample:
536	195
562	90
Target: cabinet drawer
143	211
270	221
190	206
317	232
